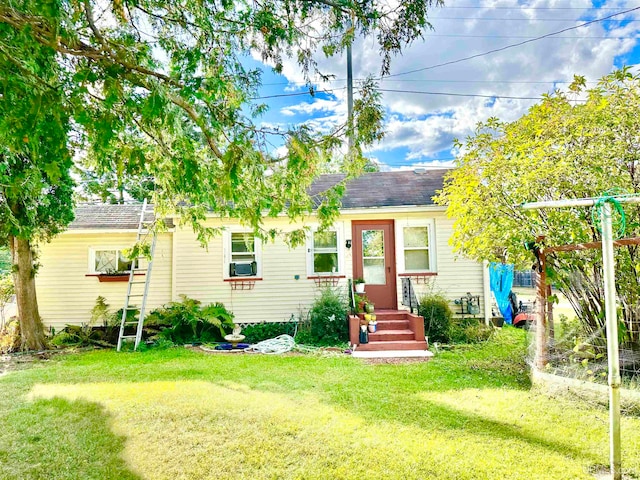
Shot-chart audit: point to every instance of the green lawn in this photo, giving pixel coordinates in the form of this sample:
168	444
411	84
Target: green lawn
178	414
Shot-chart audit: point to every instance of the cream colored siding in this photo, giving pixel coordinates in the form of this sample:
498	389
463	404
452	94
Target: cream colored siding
200	275
66	294
456	275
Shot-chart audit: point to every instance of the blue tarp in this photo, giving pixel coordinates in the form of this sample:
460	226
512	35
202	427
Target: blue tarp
501	279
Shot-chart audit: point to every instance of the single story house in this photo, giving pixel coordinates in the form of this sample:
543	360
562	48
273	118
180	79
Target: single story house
389	228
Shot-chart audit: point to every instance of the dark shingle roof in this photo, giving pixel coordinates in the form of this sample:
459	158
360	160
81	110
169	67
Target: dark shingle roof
107	216
380	189
386	189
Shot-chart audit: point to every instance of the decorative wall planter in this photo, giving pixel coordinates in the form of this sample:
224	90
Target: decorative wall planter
113	278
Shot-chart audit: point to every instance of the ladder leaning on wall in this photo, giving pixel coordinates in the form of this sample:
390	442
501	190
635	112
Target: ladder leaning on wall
126	323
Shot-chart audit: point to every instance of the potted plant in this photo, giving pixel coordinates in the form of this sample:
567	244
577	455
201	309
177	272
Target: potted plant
359	285
369	307
361	301
373	324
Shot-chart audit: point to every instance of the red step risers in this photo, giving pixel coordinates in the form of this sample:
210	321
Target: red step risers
391	335
393	325
396	330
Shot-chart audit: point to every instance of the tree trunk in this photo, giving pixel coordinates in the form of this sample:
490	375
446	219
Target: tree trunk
31	327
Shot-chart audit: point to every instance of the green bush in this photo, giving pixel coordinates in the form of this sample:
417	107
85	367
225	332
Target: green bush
83	335
190	322
469	331
327	319
64	339
258	332
437	314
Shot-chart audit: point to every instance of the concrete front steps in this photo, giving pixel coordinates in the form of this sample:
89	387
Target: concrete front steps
397	331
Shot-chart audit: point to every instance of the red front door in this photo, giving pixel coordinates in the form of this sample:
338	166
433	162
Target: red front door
374	260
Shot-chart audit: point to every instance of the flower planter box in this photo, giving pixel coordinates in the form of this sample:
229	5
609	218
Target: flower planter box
113	278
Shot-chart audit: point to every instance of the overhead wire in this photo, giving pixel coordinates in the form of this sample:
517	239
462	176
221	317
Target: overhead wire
525	7
417	92
507	19
513	45
459	94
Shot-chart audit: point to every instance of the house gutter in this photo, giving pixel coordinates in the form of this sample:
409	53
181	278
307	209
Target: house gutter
94	231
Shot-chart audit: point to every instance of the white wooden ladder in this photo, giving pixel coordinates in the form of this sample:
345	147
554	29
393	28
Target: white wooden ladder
133	286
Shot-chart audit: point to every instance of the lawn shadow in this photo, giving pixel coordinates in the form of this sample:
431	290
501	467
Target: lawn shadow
60	439
440	416
400	400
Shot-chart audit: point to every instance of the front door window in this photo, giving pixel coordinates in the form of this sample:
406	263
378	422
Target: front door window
373	257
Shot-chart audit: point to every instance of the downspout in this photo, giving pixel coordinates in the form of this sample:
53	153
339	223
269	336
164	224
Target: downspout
486	290
174	263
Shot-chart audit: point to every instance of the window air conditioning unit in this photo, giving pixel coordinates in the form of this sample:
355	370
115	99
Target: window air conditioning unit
243	269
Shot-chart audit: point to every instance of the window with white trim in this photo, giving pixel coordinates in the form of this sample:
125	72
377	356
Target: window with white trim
242	255
108	260
324	253
417	254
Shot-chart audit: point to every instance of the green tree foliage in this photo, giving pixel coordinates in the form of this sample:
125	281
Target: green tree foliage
163	87
570	145
5	260
160	90
35	162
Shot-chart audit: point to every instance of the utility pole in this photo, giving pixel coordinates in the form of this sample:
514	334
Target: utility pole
349	97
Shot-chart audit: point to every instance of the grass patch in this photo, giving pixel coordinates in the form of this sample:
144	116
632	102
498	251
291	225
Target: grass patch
467	414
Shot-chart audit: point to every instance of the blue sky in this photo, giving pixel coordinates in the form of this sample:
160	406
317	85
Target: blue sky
421	126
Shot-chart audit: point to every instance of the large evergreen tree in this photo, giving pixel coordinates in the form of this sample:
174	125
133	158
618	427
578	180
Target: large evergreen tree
162	87
35	183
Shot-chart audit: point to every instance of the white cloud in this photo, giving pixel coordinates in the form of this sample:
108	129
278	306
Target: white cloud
426	124
316	106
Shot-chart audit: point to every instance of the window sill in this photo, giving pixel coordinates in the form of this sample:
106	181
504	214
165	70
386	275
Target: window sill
326	280
112	278
242	283
418	274
418	277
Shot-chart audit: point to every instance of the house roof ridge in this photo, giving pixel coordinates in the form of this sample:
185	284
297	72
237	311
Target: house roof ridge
403	188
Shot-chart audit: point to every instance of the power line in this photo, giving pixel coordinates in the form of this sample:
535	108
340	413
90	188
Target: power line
518	82
411	80
507	19
417	92
633	37
506	97
513	44
524	7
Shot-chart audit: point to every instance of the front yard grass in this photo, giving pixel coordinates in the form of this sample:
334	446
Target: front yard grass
179	414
